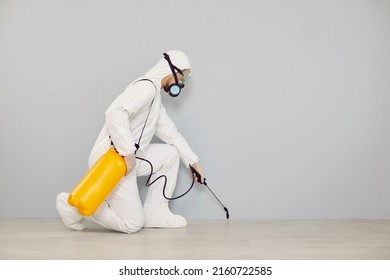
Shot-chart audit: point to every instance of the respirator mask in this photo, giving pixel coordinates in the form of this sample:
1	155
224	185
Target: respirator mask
175	89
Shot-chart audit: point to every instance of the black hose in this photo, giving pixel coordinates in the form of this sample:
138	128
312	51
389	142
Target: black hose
148	184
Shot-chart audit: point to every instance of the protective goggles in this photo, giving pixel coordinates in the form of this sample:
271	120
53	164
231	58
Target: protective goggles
175	89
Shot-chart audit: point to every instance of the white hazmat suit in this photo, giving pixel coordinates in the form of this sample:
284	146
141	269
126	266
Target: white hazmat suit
125	118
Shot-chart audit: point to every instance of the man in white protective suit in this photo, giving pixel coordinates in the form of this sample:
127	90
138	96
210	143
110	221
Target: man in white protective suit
132	120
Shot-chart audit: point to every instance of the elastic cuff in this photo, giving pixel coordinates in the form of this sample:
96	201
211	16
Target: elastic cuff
126	153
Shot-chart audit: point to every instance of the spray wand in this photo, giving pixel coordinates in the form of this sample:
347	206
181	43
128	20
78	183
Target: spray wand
199	178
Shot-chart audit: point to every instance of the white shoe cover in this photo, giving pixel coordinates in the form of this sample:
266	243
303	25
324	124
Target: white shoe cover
69	214
159	216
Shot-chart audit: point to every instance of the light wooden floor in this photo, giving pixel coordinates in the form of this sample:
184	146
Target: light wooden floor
287	240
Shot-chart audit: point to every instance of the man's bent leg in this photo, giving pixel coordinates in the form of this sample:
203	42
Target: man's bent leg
165	160
122	210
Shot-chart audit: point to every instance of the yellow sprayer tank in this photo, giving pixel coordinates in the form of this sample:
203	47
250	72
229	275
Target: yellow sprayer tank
97	184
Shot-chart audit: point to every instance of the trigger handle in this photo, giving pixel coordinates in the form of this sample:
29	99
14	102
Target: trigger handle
197	175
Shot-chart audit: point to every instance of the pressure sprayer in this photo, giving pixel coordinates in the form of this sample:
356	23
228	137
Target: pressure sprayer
104	175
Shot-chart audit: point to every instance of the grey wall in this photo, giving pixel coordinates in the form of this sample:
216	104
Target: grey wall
288	107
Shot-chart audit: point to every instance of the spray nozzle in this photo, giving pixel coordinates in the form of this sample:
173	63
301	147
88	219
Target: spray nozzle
227	212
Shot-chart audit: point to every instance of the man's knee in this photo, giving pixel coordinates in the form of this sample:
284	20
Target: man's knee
133	225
